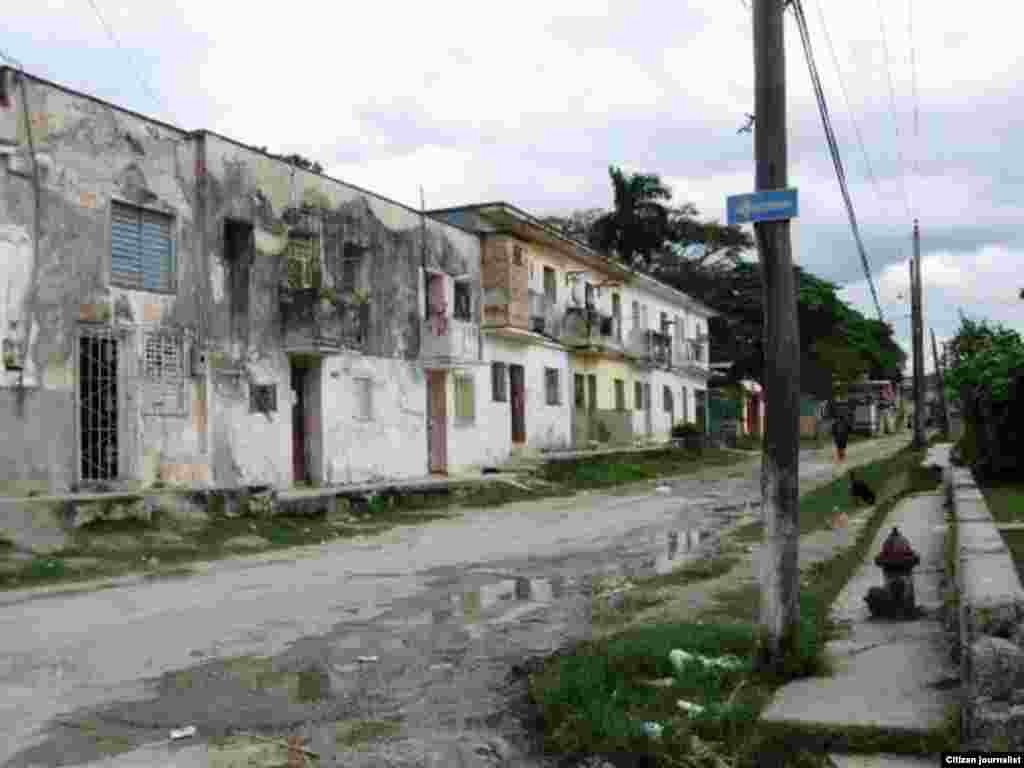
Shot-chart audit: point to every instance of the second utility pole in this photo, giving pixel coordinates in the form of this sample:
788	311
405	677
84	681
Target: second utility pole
918	340
780	463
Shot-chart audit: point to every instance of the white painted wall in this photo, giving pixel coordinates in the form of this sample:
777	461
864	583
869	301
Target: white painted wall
547	426
391	444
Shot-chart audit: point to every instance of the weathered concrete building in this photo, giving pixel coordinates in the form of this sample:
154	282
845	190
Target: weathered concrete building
178	306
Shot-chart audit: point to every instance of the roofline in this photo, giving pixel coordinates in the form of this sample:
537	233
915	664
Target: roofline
691	302
207	132
278	158
5	68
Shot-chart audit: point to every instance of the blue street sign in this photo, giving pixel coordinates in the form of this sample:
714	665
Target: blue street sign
768	205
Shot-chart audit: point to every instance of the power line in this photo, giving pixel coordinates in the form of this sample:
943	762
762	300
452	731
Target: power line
913	86
892	103
138	70
846	98
833	147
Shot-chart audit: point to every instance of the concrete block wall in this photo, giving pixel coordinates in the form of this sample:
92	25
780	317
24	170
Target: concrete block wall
990	623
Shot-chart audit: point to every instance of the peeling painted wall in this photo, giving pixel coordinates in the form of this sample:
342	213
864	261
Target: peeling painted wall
88	154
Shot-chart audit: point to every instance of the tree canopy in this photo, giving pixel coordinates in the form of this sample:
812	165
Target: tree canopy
711	262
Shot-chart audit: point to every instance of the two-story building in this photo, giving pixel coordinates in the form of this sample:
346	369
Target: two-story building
581	348
178	306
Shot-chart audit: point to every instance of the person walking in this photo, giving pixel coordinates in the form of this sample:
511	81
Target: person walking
839	412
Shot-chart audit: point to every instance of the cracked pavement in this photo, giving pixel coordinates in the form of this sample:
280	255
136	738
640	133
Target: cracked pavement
425	628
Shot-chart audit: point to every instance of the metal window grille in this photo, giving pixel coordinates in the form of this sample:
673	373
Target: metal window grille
551	387
164	374
98	404
303	261
141	249
667	396
499	382
364	399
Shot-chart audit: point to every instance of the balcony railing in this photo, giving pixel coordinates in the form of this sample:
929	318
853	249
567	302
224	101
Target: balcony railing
312	321
544	316
585	326
649	347
446	340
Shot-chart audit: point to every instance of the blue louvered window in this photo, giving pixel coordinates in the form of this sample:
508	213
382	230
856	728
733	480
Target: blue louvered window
141	249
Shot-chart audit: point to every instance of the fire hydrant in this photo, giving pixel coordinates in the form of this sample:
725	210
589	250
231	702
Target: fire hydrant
897	561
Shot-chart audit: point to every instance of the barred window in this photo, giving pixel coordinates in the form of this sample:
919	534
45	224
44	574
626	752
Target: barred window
668	399
302	258
163	371
620	395
581	398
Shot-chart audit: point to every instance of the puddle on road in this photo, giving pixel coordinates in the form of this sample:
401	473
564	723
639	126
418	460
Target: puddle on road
679	546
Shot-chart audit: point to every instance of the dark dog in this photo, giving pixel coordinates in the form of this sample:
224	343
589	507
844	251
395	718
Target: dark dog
861	490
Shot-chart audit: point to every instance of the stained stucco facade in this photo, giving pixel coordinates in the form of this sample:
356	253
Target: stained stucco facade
275	326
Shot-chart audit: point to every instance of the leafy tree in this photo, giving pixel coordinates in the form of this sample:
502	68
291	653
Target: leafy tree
639	223
578	225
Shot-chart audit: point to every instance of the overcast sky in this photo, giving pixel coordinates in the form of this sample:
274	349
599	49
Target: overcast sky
531	102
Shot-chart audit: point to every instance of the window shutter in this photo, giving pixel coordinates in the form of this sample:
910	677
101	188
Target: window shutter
125	246
157	257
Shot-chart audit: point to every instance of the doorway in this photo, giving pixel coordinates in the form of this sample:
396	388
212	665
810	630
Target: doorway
300	465
517	385
437	422
98	406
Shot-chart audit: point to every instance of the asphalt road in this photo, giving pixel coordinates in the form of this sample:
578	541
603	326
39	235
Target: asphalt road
422	624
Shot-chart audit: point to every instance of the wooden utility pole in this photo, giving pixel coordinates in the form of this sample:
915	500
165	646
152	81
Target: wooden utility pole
942	388
918	339
780	463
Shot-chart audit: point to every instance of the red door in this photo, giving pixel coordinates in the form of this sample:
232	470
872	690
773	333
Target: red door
437	422
299	425
517	381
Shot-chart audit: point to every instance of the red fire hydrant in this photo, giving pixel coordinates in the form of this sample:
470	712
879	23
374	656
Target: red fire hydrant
897	561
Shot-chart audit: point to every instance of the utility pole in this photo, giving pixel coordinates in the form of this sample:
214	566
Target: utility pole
942	388
780	463
918	331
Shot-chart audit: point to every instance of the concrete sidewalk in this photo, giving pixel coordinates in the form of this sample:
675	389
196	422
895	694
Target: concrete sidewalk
887	674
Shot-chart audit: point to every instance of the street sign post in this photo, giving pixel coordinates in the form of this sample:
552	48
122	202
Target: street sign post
769	205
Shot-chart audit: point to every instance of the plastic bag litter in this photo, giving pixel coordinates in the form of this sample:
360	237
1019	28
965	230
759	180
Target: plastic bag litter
183	733
663	489
367	659
693	710
652	729
680	658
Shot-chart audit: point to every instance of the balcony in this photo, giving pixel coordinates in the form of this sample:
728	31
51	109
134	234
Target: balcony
313	321
651	348
544	316
586	327
447	342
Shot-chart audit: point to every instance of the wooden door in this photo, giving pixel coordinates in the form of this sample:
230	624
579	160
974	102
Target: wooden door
517	382
437	422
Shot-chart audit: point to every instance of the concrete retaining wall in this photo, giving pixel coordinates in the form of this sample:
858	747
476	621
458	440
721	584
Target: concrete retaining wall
990	621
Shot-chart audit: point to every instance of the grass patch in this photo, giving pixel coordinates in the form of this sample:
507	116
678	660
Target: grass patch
630	467
1005	501
596	699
